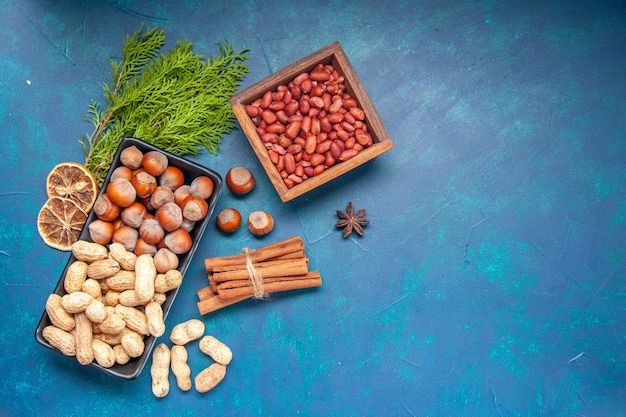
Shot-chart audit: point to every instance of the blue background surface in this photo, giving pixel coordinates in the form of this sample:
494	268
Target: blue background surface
491	281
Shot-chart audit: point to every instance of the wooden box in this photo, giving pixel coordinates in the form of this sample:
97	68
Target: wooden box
331	54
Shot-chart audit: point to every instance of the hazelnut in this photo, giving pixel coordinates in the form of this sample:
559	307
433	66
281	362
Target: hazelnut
202	187
101	231
154	162
240	180
161	196
178	241
181	193
106	209
134	214
144	183
121	192
143	247
165	260
228	220
260	223
172	178
151	231
131	157
169	216
194	208
121	172
127	236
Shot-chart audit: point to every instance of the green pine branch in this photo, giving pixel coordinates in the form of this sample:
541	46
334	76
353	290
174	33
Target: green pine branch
177	100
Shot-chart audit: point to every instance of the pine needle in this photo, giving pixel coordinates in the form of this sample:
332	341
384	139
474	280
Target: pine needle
177	100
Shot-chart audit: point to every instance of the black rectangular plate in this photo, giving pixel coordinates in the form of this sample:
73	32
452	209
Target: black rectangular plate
134	367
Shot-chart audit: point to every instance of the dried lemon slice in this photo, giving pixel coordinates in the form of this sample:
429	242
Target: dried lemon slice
60	222
73	181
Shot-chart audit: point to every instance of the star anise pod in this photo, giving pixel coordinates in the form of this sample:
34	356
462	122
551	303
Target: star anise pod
349	220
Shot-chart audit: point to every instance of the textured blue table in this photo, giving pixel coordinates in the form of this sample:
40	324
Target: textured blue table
491	279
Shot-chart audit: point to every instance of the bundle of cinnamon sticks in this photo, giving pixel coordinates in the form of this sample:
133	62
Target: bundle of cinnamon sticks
281	266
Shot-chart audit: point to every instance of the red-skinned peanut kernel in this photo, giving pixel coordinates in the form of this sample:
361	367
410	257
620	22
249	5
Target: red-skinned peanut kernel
309	124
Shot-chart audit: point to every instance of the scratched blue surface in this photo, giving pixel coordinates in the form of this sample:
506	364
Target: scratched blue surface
491	281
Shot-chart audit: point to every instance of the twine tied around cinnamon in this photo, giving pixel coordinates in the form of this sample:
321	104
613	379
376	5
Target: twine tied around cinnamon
255	277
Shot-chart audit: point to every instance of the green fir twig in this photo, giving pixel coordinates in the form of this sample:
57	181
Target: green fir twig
177	100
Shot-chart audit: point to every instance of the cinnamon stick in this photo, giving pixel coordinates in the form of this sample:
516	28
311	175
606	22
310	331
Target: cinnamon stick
214	303
267	269
270	287
240	283
206	292
274	250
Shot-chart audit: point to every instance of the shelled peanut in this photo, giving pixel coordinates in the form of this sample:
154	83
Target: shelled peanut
112	303
149	206
310	124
